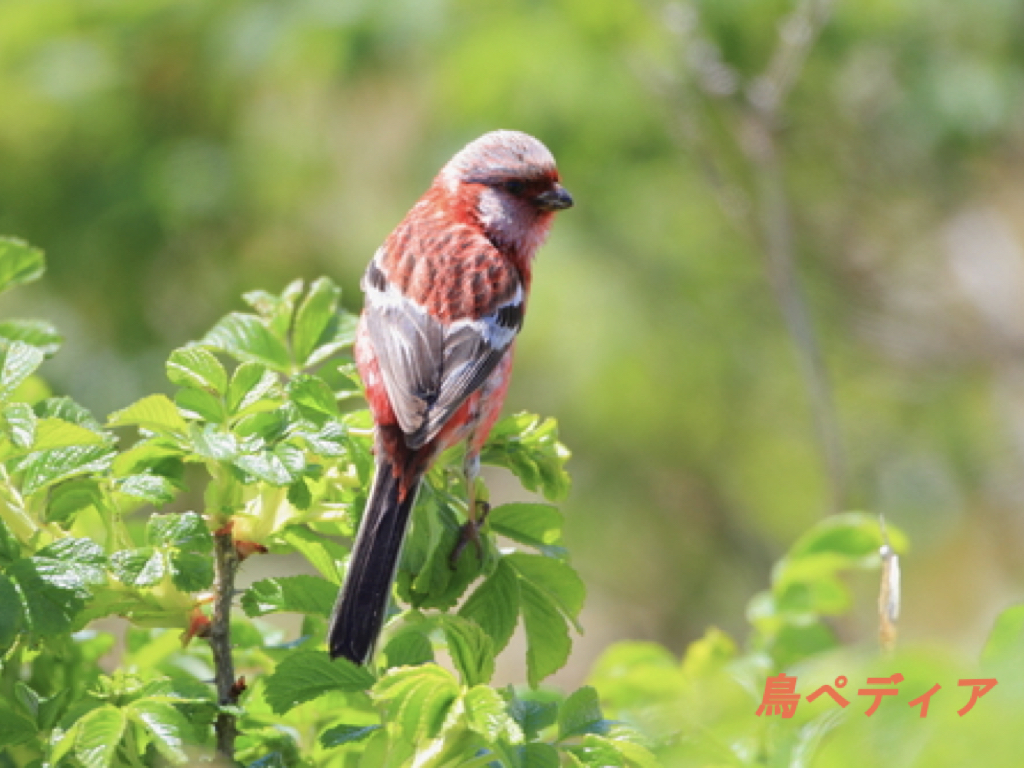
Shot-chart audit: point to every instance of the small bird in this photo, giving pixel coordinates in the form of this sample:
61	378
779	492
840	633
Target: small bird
445	298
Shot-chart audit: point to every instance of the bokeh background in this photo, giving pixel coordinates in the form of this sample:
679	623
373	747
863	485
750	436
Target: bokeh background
793	282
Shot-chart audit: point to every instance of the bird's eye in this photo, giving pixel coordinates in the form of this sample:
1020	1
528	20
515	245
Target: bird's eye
514	187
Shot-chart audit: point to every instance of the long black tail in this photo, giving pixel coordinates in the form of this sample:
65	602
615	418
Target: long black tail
358	615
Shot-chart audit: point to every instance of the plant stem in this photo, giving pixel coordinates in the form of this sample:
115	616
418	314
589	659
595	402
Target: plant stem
220	640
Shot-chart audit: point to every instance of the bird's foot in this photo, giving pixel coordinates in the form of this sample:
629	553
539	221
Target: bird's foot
470	532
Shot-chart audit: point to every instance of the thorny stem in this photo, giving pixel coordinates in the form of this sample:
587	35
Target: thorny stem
226	566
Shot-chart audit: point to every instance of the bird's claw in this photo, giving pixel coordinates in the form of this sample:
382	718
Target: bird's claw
470	532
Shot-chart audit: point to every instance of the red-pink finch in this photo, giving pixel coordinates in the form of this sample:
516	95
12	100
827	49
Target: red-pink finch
445	297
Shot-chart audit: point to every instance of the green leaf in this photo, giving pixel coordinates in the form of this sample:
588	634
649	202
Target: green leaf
409	648
537	525
191	571
197	368
43	468
52	592
15	727
276	467
11	616
532	716
37	333
538	756
154	489
58	433
99	734
323	554
1006	640
346	734
84	557
313	397
156	413
18	361
547	634
314	318
166	726
470	648
299	594
418	699
486	714
305	675
580	714
20	263
251	383
210	443
200	404
20	424
185	530
245	338
139	567
554	578
529	447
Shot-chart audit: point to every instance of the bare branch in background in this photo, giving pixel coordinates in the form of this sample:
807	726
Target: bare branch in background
755	198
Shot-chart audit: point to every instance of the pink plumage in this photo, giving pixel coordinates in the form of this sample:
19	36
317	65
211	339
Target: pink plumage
445	298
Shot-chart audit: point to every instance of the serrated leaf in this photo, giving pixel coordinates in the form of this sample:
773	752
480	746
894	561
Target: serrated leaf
99	734
470	648
537	525
313	319
210	443
268	466
18	361
58	433
52	592
186	530
313	397
408	648
138	567
251	383
84	556
166	726
547	634
68	499
156	413
532	716
201	405
43	468
245	338
580	714
154	489
37	333
529	447
197	368
346	734
299	594
555	578
305	675
20	424
191	571
66	409
323	554
418	699
486	714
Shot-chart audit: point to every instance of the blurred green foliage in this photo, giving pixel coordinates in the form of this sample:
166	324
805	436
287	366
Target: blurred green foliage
169	155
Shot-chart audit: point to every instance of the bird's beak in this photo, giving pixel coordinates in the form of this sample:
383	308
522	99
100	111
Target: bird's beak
555	199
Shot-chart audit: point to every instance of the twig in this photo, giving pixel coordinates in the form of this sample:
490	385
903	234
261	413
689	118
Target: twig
765	216
220	640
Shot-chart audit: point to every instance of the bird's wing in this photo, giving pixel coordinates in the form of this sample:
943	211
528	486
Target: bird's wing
429	366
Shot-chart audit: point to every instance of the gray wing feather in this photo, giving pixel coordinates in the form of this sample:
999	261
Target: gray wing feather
429	369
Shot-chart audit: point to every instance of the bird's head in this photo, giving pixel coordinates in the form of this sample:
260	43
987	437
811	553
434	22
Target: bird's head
509	183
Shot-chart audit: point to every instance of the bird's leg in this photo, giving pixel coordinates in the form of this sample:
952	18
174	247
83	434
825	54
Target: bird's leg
470	531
